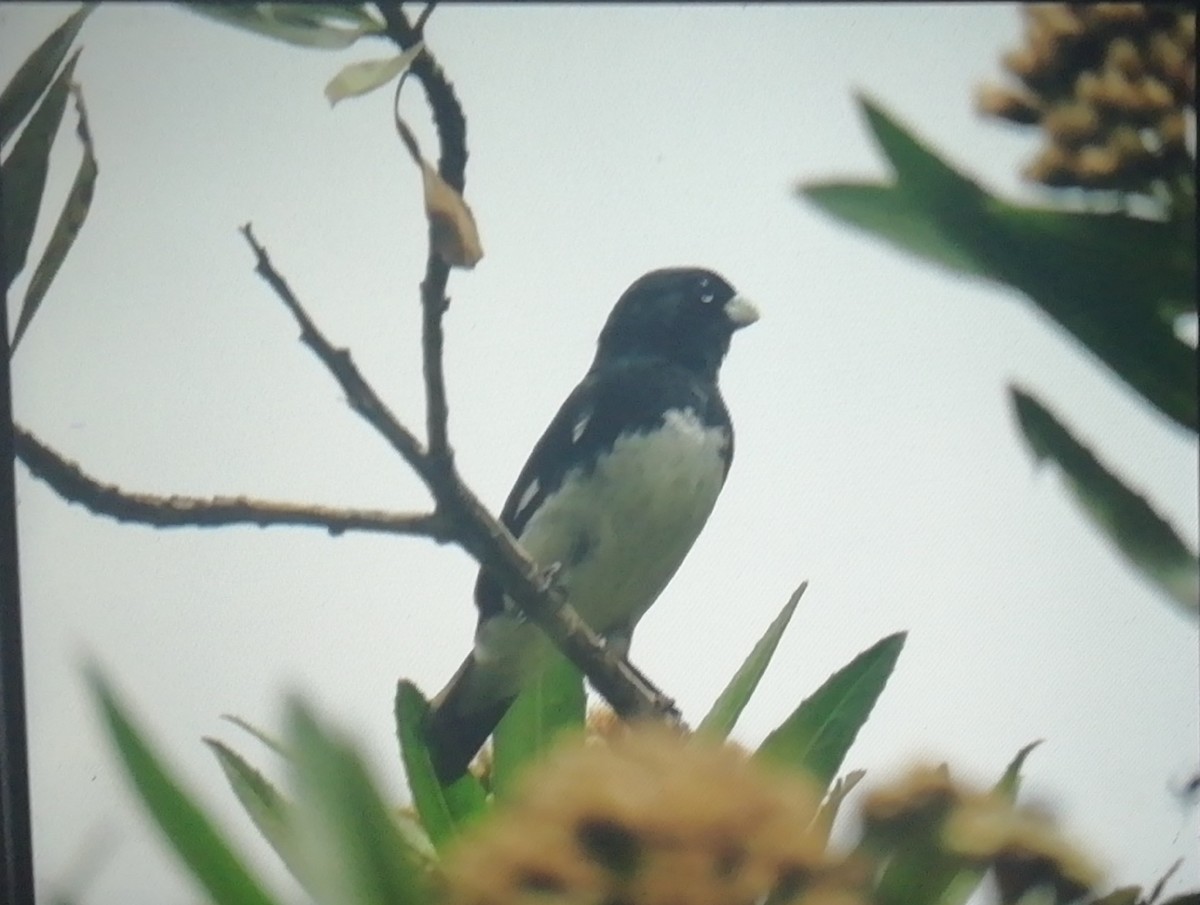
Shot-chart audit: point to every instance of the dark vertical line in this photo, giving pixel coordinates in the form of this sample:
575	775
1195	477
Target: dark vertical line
16	847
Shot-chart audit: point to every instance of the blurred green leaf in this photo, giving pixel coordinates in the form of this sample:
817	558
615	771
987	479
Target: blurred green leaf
1010	783
361	78
37	72
720	720
446	810
268	740
23	173
353	850
70	222
890	213
843	786
269	811
295	23
819	732
1112	281
551	704
190	831
956	883
1126	895
1123	516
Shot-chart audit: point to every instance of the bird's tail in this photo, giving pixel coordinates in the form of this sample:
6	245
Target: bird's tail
460	719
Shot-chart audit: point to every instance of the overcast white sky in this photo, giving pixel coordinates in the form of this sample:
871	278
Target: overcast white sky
876	454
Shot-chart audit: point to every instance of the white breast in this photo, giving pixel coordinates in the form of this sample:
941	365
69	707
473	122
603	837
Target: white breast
620	530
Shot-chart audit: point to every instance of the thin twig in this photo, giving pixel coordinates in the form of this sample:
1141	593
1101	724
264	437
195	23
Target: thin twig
175	511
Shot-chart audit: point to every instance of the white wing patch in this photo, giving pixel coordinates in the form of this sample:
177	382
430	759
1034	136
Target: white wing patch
527	496
581	426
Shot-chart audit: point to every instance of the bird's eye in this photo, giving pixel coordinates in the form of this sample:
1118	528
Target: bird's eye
706	293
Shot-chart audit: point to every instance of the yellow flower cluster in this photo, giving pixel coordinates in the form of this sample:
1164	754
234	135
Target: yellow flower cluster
1112	86
647	816
1023	847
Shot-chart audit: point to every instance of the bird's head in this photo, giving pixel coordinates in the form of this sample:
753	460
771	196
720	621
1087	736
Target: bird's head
683	315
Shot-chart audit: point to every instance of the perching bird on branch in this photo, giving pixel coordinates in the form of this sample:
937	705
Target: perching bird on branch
613	495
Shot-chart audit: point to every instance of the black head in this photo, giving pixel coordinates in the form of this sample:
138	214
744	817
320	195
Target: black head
684	315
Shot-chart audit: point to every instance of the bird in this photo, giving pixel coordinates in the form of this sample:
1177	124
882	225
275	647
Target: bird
613	495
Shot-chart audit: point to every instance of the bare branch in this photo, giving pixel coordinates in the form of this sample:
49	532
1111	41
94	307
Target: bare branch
474	528
72	483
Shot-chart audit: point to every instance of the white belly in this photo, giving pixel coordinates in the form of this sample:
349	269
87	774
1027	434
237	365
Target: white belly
619	532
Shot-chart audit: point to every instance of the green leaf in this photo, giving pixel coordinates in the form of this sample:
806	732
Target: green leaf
817	735
941	188
268	740
360	78
269	811
445	810
353	850
551	704
891	214
720	720
1114	282
23	174
948	882
37	72
1010	783
292	23
70	222
1123	516
189	830
824	818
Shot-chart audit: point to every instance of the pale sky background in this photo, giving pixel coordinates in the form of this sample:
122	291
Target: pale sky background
876	453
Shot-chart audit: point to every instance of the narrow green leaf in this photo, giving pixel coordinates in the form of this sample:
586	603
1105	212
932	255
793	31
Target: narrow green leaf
956	884
817	735
70	222
445	810
1010	783
1125	895
843	786
352	848
37	72
269	811
290	25
269	740
1123	516
23	173
720	720
360	78
189	830
551	704
357	15
892	215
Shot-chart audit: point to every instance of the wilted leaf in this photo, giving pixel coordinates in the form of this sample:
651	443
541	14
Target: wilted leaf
1123	516
189	830
293	23
360	78
37	72
817	735
23	174
354	853
551	704
720	720
444	810
452	230
70	222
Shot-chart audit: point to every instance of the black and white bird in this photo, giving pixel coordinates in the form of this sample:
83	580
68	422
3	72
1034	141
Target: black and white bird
613	495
